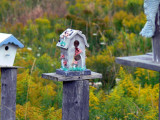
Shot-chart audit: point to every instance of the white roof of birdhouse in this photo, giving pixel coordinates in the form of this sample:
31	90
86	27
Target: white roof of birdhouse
9	39
71	34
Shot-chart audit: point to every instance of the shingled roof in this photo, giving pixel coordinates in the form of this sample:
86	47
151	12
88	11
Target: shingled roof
9	38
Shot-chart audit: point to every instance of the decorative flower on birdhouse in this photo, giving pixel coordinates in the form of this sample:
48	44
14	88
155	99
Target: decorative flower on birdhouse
72	44
65	63
62	56
75	64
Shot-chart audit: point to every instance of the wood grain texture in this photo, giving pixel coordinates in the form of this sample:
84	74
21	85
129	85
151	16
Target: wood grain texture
156	41
142	61
151	54
156	47
75	100
56	77
159	96
8	93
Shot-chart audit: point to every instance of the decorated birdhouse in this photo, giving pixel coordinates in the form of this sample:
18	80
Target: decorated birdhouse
8	48
73	44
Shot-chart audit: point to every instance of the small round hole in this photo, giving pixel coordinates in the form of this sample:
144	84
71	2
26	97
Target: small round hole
6	48
76	43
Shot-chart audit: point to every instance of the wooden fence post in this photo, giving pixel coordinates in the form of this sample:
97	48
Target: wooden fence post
156	40
75	100
8	93
75	104
156	47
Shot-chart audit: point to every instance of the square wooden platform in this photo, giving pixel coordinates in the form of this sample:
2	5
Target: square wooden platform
11	67
141	61
57	77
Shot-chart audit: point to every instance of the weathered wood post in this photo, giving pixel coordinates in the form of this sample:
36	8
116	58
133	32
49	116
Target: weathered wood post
156	40
149	61
8	48
8	92
75	104
156	47
75	100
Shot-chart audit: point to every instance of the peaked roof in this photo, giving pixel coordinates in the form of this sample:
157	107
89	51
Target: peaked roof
67	35
9	38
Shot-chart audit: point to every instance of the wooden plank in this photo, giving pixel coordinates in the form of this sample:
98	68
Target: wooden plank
56	77
75	100
11	67
142	61
149	53
8	93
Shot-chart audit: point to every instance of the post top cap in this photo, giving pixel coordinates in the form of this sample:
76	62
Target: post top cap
11	67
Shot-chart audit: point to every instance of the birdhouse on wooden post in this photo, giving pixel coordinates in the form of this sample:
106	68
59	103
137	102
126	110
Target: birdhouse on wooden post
8	48
73	44
74	75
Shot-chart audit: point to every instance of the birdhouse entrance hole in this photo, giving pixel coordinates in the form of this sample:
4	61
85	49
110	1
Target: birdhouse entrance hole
6	48
76	43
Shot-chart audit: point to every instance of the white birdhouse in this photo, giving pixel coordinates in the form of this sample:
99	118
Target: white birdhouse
73	44
8	48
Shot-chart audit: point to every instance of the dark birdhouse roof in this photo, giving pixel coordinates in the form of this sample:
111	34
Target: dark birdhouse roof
9	38
67	35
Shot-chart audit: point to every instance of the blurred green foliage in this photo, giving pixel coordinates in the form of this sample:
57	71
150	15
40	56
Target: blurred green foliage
112	29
